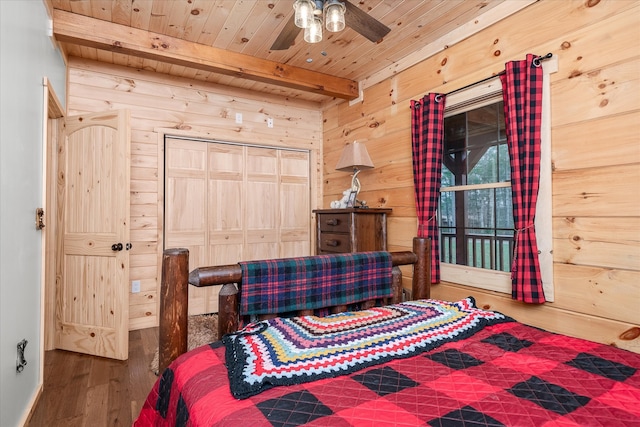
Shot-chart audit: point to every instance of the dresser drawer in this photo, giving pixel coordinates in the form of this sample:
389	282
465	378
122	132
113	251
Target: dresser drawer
337	223
339	243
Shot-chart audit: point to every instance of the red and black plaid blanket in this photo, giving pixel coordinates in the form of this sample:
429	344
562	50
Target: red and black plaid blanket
505	374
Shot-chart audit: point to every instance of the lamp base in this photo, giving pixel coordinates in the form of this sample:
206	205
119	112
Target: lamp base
355	182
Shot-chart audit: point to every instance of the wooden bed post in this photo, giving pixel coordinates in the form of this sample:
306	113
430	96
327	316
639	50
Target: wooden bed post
227	309
421	286
396	281
174	298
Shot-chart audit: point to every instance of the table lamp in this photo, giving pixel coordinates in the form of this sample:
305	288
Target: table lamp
354	158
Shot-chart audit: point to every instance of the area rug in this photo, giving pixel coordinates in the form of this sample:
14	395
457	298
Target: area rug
202	329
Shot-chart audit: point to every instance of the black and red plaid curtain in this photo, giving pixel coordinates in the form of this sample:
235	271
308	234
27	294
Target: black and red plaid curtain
427	140
522	92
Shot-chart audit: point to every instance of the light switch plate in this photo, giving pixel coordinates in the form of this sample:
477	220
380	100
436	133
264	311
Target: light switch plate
135	286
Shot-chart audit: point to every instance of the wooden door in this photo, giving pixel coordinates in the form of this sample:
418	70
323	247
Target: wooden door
228	203
92	275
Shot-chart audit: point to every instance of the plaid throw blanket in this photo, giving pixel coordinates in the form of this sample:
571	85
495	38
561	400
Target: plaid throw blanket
308	283
302	349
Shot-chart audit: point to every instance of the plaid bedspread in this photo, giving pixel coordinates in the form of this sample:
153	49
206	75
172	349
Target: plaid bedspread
506	374
290	284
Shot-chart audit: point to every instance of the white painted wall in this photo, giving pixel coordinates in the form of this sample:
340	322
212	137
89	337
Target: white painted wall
26	56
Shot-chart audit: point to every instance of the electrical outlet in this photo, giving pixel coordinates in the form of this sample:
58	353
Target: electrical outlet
135	286
239	118
269	122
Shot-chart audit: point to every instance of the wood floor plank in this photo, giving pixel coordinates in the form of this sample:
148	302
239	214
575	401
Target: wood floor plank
77	421
96	405
99	374
70	381
119	397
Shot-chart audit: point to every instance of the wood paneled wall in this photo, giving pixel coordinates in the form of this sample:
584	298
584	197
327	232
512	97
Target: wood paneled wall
595	154
161	104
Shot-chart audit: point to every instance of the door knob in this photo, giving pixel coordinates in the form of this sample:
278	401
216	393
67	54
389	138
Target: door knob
116	247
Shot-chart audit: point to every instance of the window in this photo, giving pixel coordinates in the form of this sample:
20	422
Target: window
476	221
475	213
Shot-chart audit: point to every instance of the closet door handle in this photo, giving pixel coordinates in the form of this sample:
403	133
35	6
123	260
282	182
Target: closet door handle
116	247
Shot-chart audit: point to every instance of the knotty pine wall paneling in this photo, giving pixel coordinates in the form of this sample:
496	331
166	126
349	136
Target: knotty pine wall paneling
162	104
595	102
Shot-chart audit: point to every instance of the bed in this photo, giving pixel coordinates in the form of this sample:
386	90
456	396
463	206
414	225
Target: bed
372	359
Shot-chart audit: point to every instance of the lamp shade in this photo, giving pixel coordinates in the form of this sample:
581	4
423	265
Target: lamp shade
334	15
313	33
354	156
303	13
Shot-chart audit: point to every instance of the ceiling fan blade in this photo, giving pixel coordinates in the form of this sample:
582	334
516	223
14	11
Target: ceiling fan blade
364	24
287	36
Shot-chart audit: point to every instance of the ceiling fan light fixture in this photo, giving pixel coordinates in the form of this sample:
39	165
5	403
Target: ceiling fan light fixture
304	13
334	15
313	34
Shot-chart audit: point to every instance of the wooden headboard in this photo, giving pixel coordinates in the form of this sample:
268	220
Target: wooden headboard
174	293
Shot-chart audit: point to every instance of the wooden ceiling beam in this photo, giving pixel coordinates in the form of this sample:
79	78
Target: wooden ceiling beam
90	32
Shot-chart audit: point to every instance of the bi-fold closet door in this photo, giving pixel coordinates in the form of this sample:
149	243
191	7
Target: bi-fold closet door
231	202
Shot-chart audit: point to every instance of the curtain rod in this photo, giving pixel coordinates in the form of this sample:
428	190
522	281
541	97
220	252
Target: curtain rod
536	62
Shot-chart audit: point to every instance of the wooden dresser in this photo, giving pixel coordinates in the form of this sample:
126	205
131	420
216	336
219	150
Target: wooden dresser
351	230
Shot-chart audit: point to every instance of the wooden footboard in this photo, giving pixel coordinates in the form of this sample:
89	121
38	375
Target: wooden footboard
174	293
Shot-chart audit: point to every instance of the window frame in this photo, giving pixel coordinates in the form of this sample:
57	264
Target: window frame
476	96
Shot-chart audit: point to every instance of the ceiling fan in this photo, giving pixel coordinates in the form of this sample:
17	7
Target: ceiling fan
312	12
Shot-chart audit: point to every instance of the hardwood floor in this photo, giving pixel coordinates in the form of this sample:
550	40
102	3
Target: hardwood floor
82	390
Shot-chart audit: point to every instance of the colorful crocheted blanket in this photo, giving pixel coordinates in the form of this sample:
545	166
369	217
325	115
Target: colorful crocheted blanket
308	283
302	349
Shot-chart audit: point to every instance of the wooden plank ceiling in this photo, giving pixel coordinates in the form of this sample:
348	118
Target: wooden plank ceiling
228	41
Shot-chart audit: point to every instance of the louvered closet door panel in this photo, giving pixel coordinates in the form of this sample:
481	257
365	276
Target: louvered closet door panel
261	203
294	204
226	223
186	207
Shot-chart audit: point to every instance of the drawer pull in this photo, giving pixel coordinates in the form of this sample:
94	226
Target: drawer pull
333	221
333	243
